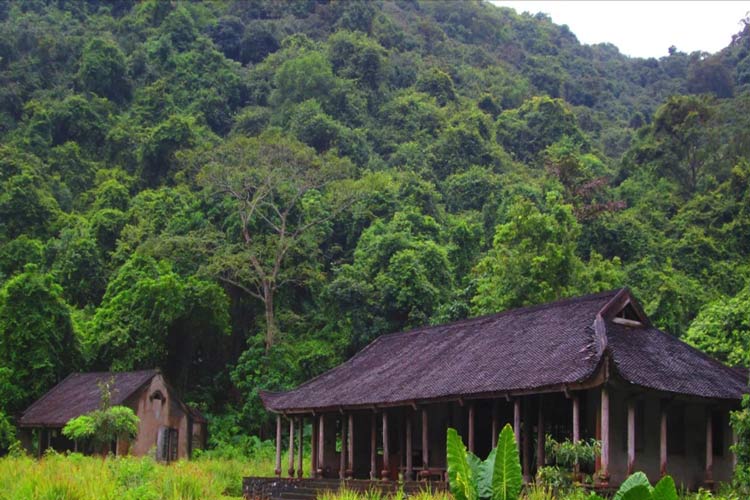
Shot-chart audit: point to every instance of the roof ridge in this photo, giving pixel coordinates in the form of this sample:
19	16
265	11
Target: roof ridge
522	310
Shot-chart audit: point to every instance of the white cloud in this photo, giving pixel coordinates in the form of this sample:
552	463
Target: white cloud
645	29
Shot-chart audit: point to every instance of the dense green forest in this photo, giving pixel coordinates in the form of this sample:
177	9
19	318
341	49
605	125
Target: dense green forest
244	193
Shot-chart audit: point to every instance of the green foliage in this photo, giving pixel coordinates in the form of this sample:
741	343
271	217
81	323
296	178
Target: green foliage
437	160
722	328
37	341
740	421
103	70
498	477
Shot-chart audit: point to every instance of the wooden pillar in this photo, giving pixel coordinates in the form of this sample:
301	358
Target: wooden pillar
291	447
314	448
350	449
40	443
300	437
386	451
663	441
631	436
495	426
517	421
321	445
709	449
342	455
373	448
576	419
604	472
278	446
526	437
425	441
540	435
471	426
409	453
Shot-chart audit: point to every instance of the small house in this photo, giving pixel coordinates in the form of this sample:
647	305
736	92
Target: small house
168	427
585	367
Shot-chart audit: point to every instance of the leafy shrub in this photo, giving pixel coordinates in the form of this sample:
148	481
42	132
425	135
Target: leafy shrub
498	477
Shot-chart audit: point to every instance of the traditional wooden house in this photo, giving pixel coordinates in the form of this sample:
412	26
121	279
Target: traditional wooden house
168	427
585	367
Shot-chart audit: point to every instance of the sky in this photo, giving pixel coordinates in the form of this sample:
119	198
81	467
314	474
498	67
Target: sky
645	28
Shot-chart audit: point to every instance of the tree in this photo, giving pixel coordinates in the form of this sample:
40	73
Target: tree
722	329
681	127
104	71
274	184
37	340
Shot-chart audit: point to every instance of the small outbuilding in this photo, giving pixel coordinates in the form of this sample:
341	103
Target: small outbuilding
168	428
585	367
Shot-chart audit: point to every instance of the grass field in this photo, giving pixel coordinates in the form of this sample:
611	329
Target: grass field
76	477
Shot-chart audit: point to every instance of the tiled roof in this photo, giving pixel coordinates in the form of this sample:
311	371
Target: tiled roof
79	393
533	348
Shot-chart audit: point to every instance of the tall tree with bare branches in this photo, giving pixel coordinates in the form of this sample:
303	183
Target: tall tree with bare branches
283	194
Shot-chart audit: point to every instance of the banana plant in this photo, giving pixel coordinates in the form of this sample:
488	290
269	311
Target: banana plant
496	478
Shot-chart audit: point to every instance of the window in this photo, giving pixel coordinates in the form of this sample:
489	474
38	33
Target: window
166	444
676	430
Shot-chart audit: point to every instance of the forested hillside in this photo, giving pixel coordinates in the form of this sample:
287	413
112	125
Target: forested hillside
244	193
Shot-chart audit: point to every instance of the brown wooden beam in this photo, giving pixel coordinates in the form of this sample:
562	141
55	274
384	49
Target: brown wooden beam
291	447
576	418
425	441
342	455
495	423
373	448
517	420
663	440
350	450
321	445
540	434
314	447
385	473
604	471
526	456
471	426
709	481
631	436
300	437
409	452
278	446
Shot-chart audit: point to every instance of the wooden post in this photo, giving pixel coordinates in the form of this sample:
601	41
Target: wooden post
300	437
425	441
576	419
709	449
495	427
631	436
517	420
471	426
291	447
540	435
314	448
409	453
278	446
373	448
350	450
321	445
40	443
526	436
386	452
663	441
342	455
604	472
